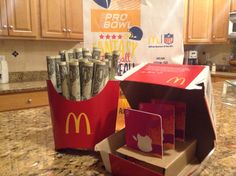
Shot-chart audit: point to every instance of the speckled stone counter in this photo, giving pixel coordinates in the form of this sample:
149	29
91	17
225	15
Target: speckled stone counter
22	87
27	149
229	75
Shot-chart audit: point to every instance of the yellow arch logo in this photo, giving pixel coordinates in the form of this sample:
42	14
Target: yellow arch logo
77	122
176	80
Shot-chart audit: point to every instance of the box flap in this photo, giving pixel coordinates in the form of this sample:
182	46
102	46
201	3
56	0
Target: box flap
179	83
184	76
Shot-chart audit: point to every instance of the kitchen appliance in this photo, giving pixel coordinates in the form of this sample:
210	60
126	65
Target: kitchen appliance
232	25
4	75
191	57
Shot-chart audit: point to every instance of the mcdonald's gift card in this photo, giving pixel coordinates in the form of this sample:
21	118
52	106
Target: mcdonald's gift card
167	113
180	116
143	132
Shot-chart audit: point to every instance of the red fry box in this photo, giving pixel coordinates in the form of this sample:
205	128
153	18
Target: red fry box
81	125
182	83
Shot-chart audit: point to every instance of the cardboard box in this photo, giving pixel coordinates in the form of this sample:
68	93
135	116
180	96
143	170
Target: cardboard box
184	83
172	163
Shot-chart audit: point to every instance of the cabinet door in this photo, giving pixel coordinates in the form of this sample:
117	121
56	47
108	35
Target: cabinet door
233	6
74	18
199	21
53	18
22	18
3	18
221	9
185	23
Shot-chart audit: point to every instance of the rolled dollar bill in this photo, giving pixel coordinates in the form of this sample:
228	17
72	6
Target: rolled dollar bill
64	80
98	77
108	56
96	53
106	72
75	93
63	55
69	55
78	53
81	63
115	59
58	76
86	80
88	55
51	67
85	50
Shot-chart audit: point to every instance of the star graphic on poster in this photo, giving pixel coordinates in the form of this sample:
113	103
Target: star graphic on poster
125	36
113	36
101	36
119	36
108	36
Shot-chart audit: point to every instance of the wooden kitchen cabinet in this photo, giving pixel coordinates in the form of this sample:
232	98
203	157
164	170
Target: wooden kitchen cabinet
62	19
3	18
74	18
185	22
221	9
53	18
207	21
233	6
23	100
199	21
18	18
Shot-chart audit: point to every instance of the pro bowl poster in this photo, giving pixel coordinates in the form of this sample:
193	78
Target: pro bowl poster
142	30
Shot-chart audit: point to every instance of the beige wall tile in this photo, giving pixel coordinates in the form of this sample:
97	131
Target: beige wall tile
32	54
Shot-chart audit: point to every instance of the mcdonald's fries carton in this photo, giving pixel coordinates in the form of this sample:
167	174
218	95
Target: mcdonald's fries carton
81	125
188	84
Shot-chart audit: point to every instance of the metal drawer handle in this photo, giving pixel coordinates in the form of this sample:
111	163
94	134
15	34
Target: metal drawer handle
11	27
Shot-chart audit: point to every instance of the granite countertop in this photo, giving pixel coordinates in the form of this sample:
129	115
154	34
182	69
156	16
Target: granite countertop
27	148
22	87
224	74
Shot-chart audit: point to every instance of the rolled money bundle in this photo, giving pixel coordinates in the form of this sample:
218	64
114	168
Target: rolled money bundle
88	55
69	55
81	63
115	59
106	72
51	66
63	55
96	53
108	56
85	50
58	76
74	81
64	80
78	53
98	77
86	80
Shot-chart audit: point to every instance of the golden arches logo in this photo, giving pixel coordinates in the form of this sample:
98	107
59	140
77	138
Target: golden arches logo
77	122
176	79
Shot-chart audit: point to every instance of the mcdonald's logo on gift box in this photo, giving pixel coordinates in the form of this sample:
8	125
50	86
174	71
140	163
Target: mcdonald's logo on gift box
176	80
77	123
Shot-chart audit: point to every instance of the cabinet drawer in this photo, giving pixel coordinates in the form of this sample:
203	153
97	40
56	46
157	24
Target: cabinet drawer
23	100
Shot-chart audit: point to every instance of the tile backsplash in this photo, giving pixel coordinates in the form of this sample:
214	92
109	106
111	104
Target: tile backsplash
218	54
25	55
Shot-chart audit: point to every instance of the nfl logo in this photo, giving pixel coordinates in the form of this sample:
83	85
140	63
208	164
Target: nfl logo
168	38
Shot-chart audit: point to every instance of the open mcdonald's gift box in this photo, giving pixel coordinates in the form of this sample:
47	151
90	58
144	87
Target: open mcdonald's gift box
81	125
170	127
